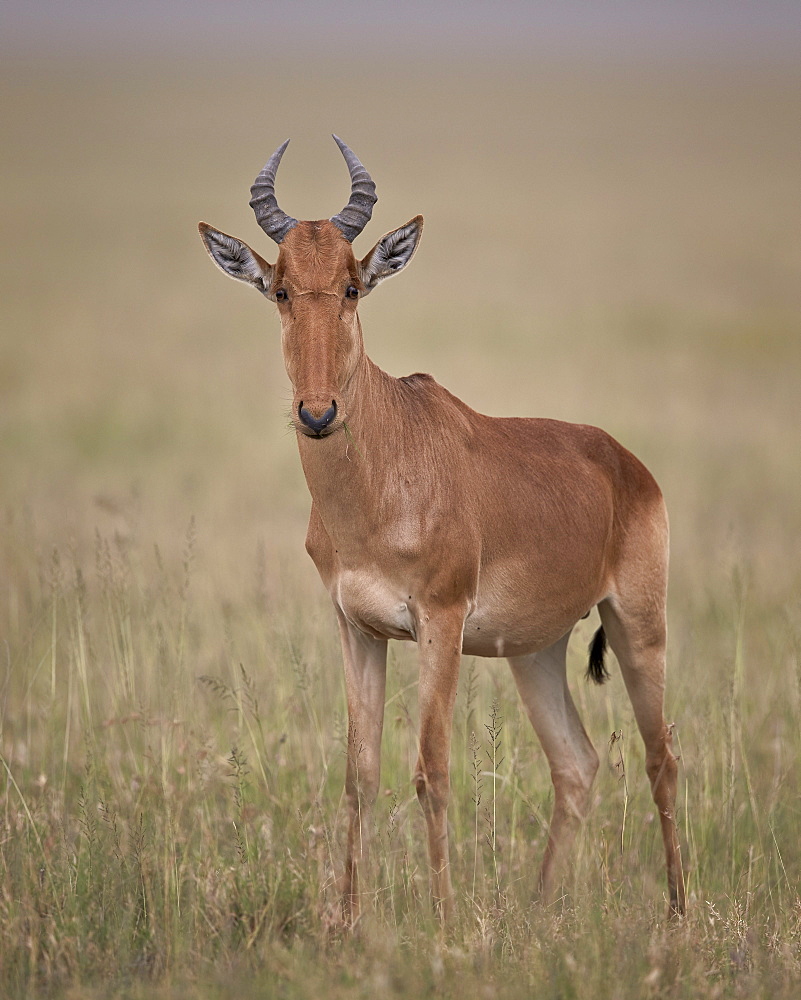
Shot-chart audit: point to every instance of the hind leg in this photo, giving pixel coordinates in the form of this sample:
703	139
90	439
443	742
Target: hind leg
635	626
542	682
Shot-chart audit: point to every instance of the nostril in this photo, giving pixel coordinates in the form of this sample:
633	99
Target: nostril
317	424
330	413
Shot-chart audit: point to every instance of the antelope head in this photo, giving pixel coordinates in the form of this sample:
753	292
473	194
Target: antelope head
316	283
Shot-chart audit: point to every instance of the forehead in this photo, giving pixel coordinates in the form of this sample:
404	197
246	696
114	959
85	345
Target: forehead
315	256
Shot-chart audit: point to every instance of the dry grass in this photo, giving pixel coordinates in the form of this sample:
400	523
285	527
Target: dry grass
171	709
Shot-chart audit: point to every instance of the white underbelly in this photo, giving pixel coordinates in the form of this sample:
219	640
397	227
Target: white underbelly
495	625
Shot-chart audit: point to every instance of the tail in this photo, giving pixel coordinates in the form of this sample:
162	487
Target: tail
596	668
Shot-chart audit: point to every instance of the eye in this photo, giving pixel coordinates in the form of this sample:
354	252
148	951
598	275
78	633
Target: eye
352	292
281	295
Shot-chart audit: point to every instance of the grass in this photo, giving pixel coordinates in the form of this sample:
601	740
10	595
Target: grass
172	814
172	716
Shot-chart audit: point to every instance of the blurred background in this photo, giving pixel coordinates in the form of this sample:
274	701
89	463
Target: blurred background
612	198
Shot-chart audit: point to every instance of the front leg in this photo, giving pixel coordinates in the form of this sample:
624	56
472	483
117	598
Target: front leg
439	637
365	662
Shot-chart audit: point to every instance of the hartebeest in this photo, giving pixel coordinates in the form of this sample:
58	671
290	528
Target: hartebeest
461	532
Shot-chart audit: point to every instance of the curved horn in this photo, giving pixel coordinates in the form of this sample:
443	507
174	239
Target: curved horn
356	214
269	216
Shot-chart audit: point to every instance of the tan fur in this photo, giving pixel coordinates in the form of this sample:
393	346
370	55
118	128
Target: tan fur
467	534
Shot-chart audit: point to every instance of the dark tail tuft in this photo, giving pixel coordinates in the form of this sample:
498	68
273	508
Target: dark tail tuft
596	668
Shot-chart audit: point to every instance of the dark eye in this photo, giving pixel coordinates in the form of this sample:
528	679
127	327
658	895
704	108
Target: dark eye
281	295
352	292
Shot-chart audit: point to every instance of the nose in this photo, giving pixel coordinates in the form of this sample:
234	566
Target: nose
317	424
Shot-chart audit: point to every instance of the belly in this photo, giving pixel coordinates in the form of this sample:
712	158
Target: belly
499	622
518	611
488	634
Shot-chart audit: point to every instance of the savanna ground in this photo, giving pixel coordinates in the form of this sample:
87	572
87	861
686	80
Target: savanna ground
613	246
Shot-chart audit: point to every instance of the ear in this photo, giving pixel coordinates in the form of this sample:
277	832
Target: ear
391	254
237	259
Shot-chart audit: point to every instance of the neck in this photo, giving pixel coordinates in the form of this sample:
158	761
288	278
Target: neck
352	450
368	478
353	474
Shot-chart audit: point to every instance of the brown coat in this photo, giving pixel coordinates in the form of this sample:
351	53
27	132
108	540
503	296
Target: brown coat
464	533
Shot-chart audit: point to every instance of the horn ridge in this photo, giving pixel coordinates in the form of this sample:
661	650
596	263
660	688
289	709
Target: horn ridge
275	222
357	213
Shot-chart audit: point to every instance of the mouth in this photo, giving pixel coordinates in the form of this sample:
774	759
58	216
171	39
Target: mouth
307	432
